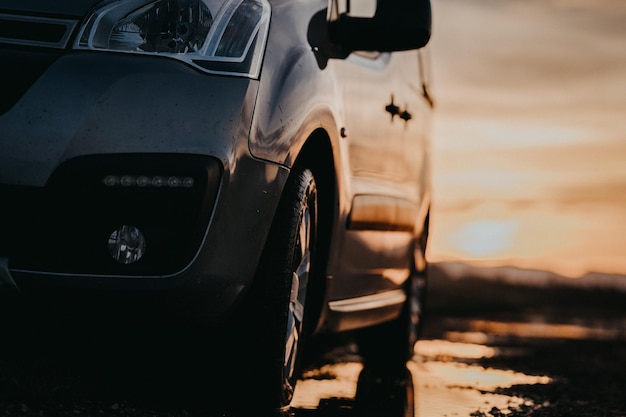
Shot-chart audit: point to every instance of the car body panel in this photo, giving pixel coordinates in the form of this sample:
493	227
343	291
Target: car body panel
159	104
85	103
82	103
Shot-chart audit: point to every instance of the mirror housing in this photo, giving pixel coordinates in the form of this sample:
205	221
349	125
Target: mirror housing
397	25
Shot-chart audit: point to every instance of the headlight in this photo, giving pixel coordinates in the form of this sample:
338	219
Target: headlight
224	36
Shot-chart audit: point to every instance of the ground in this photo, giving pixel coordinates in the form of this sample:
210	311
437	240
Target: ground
489	347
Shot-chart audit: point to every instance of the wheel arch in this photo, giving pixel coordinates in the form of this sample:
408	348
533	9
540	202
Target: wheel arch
317	155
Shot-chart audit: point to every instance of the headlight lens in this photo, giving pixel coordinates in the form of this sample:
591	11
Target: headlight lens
215	35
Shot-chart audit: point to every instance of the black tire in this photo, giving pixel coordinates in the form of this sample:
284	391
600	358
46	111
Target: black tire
385	348
280	294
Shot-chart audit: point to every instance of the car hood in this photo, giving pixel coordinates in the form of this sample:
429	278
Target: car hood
77	8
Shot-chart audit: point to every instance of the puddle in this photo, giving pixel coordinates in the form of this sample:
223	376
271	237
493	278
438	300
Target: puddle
444	349
330	381
455	389
443	386
546	330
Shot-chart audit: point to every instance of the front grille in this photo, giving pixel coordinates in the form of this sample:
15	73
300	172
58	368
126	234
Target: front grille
35	31
21	67
64	227
20	70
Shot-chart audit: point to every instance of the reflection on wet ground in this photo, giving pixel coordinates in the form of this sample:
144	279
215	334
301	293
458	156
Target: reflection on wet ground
490	348
448	386
485	330
477	368
348	389
439	382
330	381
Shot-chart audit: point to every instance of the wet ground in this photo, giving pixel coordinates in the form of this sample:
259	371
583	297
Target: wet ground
488	348
561	346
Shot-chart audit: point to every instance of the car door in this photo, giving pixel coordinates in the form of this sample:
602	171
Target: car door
385	131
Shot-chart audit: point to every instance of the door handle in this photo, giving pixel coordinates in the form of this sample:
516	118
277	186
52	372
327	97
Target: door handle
392	109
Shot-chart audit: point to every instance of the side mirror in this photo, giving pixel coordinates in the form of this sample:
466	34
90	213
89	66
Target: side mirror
396	25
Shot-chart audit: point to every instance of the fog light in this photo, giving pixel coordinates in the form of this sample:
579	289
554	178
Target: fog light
127	244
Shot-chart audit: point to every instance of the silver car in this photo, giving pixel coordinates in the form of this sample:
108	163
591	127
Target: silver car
262	165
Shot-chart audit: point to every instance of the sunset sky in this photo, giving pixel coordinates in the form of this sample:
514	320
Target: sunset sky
529	154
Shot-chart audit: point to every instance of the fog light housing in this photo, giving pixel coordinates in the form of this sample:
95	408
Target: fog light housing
127	244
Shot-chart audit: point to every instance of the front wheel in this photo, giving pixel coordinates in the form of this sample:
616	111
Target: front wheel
280	292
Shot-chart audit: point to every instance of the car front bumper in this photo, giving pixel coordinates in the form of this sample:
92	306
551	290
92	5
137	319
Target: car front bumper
89	116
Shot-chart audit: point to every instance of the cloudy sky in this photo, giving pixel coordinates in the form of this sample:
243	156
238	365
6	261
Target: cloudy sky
529	147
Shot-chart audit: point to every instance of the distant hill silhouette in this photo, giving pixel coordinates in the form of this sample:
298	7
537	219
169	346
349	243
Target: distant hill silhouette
509	293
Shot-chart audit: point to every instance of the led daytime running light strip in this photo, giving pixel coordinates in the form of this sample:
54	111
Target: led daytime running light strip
158	181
